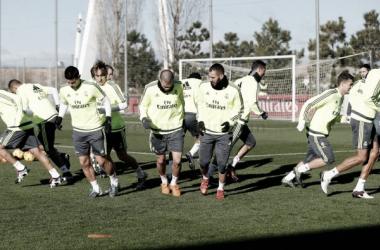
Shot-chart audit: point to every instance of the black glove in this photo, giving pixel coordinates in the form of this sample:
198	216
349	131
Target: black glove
264	115
101	110
107	125
58	123
226	127
201	128
57	108
146	123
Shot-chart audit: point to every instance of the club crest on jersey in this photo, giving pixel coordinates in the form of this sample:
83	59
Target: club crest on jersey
157	95
85	93
226	96
68	95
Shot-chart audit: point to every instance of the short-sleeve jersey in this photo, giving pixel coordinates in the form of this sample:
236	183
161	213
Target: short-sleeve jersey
371	94
114	94
82	105
11	112
250	91
327	106
218	106
190	92
165	110
36	97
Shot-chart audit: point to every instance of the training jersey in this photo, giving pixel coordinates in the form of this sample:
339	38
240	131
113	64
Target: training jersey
190	92
218	106
326	106
114	94
82	104
164	109
371	94
357	104
249	88
11	112
36	97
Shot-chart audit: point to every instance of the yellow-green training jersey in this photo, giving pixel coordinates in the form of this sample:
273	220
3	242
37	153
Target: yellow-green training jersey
114	94
11	112
326	106
164	109
371	94
36	97
82	105
190	93
218	106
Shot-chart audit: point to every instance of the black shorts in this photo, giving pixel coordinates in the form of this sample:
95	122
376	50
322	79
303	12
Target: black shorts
159	143
23	139
117	141
84	141
46	135
243	133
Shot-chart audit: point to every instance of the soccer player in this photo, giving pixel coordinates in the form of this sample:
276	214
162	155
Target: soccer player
364	102
116	139
20	134
220	106
190	92
326	107
88	129
35	96
162	111
249	87
110	71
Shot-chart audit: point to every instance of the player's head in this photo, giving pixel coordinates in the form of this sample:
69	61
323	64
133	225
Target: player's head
216	73
166	78
345	82
260	67
195	75
110	71
13	85
364	69
72	76
99	72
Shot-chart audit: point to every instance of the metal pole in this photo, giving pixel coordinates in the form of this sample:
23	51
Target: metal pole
210	17
317	41
56	43
126	54
0	43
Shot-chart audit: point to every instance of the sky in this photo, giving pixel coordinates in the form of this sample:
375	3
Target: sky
28	26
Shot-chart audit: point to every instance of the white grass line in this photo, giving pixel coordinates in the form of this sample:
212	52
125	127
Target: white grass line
247	156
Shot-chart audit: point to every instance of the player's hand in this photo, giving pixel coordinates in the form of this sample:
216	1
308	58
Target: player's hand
146	123
57	108
264	115
301	126
226	127
101	110
346	119
58	123
107	125
201	128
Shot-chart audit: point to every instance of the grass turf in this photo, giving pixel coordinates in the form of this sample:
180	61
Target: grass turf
257	212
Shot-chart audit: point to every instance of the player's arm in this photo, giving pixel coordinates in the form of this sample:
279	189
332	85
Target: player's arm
238	108
122	103
253	102
371	92
54	92
144	104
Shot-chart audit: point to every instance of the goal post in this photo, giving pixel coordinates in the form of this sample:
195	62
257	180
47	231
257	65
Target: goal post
288	85
280	76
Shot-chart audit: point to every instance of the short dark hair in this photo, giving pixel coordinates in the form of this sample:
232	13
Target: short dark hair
195	75
71	72
13	82
258	64
217	67
344	76
365	65
99	65
110	67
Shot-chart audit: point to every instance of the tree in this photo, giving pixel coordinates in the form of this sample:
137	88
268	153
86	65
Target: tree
232	48
331	35
192	40
368	39
141	65
110	34
274	41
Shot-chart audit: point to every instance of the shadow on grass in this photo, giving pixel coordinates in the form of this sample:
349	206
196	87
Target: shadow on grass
353	237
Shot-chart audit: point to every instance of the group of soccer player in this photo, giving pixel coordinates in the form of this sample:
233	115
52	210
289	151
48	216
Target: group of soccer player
215	112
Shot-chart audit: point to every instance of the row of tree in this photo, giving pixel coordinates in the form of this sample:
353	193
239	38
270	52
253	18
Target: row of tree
188	38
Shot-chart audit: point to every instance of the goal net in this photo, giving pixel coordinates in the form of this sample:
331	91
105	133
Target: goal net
286	85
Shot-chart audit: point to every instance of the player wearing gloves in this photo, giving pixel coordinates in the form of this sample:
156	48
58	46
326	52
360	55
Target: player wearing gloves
88	128
249	87
326	106
364	98
162	111
220	106
116	138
